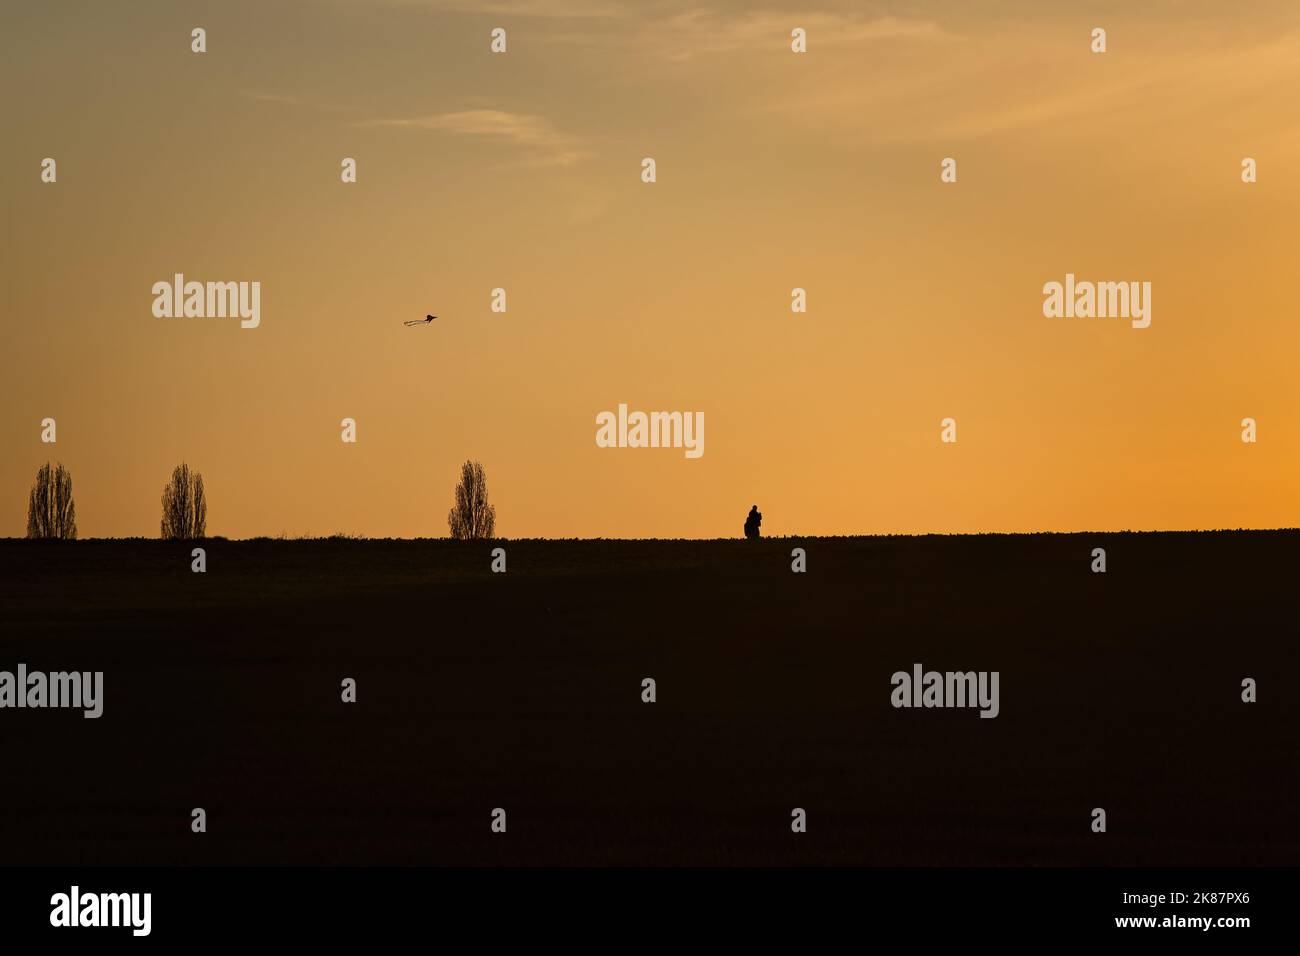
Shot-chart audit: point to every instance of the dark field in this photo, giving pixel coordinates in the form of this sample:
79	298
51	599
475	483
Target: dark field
523	691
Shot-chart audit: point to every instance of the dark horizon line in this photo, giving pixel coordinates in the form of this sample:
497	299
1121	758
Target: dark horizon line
341	536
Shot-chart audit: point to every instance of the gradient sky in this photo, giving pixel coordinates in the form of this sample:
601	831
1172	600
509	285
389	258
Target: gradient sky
774	171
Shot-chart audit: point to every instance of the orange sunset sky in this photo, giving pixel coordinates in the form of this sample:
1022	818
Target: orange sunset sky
775	170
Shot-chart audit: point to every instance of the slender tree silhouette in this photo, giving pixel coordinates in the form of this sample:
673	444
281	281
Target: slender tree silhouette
51	512
184	505
471	516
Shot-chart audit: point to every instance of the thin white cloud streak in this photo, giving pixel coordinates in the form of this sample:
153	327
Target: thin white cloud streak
535	137
975	94
280	98
530	9
691	34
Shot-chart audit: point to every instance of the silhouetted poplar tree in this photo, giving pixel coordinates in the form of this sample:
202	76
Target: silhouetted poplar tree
51	512
184	506
472	516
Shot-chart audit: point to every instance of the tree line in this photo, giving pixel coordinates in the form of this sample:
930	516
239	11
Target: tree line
52	512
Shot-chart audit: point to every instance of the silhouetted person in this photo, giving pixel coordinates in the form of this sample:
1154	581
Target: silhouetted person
752	522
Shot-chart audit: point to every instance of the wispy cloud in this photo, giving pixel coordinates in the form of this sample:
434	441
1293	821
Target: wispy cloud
684	29
263	97
537	9
682	32
699	32
971	94
535	137
1170	83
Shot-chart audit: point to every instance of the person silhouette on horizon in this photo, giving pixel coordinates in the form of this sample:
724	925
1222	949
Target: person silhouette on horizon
752	522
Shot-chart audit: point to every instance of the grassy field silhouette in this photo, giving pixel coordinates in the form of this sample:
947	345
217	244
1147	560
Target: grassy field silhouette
522	690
